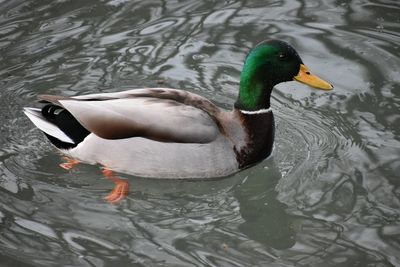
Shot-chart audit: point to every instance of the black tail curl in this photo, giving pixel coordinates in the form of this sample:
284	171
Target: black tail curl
67	123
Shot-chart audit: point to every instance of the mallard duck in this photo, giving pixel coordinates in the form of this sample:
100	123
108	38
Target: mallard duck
170	133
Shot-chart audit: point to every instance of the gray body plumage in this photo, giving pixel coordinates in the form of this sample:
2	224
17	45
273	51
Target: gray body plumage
148	158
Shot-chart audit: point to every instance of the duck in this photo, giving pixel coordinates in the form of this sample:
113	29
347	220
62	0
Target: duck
170	133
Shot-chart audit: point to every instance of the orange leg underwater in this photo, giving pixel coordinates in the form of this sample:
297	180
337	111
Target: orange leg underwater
69	163
120	190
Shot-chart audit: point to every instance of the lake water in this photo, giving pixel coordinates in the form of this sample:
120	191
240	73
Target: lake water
328	196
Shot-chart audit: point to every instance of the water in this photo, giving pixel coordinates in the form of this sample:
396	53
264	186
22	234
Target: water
329	195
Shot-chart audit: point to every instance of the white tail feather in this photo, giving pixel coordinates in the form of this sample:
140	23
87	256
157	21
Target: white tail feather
35	115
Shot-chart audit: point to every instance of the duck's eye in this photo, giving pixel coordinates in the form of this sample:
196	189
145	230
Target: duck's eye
283	57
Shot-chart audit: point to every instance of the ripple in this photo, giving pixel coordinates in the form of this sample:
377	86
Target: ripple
159	26
36	227
76	239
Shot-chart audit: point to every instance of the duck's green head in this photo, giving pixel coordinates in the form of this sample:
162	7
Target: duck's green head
269	63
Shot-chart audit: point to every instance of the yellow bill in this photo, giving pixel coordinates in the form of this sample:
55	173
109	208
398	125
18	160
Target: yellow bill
306	77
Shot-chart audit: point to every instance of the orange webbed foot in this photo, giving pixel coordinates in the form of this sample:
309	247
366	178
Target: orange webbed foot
120	190
69	164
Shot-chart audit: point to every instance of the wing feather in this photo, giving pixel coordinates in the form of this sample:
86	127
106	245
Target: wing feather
165	115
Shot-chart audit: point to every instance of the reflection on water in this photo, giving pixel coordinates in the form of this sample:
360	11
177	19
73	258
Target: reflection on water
259	207
330	194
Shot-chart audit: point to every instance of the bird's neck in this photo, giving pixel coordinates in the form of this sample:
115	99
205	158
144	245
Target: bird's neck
255	85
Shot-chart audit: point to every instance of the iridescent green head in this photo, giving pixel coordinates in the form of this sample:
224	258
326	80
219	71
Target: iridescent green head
269	63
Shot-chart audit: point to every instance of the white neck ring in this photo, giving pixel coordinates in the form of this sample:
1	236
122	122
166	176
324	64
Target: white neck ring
260	111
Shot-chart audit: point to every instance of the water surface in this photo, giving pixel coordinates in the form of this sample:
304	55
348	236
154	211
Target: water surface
329	195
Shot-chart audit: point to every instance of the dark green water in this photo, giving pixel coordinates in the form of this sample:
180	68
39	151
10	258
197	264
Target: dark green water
329	195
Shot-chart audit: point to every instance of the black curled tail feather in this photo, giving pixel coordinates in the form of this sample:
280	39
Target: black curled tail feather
64	120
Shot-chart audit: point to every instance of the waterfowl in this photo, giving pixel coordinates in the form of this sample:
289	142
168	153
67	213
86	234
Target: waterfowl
170	133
